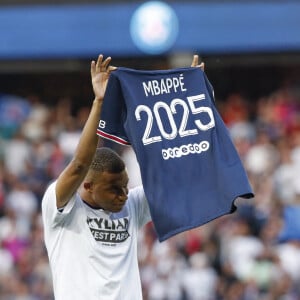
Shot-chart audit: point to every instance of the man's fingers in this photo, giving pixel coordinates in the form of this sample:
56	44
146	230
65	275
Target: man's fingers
111	68
99	62
195	61
101	65
202	66
105	64
93	68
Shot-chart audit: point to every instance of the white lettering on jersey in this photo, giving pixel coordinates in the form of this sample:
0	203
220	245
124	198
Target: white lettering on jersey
101	124
164	86
169	111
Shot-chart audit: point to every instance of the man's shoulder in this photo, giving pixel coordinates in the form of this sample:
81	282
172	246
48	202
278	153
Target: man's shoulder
50	190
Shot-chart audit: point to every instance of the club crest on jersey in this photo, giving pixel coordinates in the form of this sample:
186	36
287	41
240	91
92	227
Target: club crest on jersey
109	231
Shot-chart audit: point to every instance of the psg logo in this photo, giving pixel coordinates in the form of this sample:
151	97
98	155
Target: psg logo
154	27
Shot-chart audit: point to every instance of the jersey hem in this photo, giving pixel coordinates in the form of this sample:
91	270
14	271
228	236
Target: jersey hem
192	226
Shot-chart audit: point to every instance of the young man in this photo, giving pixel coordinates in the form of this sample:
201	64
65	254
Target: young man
90	220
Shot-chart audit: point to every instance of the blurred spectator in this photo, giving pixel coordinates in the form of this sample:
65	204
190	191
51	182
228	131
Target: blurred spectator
200	279
13	112
16	154
68	137
33	127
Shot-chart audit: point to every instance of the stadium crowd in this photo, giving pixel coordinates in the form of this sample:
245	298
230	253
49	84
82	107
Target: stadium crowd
249	255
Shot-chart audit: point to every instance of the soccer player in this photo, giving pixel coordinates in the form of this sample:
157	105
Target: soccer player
90	219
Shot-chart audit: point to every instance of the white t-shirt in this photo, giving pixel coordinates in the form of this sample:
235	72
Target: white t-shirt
93	253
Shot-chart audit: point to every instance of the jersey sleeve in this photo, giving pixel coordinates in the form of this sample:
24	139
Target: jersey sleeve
52	216
113	113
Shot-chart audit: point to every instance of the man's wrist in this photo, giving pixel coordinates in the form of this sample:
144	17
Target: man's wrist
98	99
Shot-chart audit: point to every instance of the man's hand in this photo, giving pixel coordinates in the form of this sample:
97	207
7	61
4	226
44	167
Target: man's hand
195	63
100	72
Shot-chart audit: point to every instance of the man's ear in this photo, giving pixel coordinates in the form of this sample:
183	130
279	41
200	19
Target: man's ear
88	186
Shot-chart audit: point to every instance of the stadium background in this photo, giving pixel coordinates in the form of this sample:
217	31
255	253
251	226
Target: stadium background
252	54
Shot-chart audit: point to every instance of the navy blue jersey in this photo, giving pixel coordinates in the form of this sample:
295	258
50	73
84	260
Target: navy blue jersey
190	169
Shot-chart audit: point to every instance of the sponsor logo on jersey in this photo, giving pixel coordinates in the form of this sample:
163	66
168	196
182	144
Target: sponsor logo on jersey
183	150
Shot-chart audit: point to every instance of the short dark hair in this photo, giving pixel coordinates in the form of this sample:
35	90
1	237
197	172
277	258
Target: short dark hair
107	160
